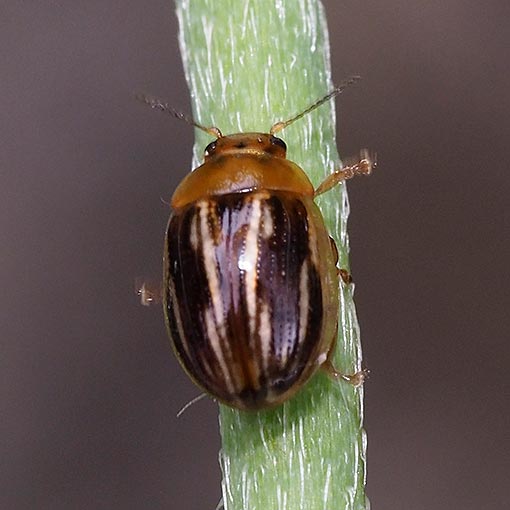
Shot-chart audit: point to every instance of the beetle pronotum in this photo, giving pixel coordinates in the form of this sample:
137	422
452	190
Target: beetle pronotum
250	283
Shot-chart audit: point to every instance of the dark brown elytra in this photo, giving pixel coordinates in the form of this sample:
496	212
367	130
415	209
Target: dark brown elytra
262	364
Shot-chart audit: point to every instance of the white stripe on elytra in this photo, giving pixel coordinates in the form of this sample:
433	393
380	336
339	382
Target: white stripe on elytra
214	340
211	268
248	262
267	223
215	319
304	302
193	234
265	331
265	334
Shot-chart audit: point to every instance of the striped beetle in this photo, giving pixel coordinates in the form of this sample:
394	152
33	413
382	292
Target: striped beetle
250	289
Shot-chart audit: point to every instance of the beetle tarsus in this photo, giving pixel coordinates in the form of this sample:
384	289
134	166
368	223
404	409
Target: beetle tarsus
363	166
150	292
356	379
344	275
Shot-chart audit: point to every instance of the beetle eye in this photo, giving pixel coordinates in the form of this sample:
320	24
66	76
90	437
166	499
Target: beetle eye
210	148
279	142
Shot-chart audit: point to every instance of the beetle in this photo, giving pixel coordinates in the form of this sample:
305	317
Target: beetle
250	283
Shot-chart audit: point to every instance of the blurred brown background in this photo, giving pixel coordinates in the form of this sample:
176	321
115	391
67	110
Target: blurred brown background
89	388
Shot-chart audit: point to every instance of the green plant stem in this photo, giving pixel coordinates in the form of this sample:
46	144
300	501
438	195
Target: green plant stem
249	64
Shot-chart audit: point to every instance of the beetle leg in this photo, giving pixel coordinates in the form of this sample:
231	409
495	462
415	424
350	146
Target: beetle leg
341	273
334	249
150	292
345	275
363	166
356	379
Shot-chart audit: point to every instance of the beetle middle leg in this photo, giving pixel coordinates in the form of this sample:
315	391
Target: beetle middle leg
363	166
341	273
150	291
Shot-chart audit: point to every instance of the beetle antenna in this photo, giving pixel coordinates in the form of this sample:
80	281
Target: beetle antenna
158	104
190	403
337	90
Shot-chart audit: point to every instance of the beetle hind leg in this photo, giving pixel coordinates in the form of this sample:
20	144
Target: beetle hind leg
363	166
356	379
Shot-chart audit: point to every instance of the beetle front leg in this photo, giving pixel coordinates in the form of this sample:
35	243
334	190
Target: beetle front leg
364	166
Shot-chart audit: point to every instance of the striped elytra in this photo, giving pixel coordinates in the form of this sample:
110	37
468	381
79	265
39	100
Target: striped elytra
250	278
